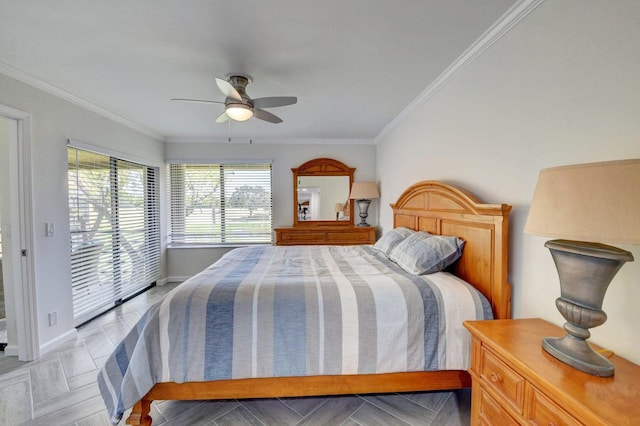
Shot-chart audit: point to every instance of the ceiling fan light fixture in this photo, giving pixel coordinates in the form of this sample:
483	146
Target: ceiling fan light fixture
239	106
239	112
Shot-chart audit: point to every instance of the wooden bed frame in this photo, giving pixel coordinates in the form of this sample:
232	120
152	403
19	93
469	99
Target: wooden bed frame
427	206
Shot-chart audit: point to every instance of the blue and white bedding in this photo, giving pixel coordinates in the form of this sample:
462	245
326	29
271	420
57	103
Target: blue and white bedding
267	311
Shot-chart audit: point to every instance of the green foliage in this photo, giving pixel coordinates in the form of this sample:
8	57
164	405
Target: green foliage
250	198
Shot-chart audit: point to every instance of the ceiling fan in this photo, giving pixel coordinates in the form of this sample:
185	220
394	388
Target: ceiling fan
239	106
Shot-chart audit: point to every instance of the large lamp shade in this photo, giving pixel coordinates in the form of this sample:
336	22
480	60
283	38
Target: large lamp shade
597	202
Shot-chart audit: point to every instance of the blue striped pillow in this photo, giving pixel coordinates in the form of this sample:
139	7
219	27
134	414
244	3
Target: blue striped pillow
423	253
391	239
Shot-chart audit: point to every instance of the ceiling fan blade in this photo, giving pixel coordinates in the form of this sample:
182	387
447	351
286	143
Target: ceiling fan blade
274	101
266	116
198	101
222	118
227	89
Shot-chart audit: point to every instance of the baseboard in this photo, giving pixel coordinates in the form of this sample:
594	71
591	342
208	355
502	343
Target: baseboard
176	279
54	343
11	350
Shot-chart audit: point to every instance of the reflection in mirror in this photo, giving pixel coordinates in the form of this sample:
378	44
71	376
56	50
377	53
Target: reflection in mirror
319	195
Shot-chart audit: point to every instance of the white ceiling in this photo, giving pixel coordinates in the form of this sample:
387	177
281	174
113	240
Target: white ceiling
354	65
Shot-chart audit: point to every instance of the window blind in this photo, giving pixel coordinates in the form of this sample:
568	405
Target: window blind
114	213
220	203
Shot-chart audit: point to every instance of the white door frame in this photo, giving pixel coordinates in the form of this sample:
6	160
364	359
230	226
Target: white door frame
22	281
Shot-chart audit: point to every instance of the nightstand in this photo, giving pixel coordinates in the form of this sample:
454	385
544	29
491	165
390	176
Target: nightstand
514	381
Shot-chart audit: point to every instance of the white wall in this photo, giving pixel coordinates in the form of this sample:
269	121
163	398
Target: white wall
53	122
561	87
186	262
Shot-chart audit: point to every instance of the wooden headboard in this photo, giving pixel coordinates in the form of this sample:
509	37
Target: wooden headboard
444	209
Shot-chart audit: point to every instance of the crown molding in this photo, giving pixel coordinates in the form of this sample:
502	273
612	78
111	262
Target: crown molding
269	141
503	25
26	78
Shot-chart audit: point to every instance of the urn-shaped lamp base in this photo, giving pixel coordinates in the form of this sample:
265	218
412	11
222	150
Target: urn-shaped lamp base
585	270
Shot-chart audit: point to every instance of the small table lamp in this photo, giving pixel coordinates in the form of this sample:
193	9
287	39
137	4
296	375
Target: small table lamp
591	203
363	192
338	208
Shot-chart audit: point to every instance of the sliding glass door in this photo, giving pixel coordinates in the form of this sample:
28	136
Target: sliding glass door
114	214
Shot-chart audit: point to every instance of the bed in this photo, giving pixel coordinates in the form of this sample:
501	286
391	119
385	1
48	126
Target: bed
166	371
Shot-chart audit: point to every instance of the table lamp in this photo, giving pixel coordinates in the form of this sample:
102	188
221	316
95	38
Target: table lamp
586	205
363	192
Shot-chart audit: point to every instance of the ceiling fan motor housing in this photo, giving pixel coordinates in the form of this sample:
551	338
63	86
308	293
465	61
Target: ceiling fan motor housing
240	82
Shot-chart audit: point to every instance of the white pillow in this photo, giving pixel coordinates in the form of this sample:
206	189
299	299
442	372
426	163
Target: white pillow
391	239
423	253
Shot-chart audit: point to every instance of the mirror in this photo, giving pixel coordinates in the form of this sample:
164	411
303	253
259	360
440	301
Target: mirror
321	193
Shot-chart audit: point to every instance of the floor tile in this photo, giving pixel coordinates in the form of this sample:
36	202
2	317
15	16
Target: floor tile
304	405
67	400
271	411
334	411
69	414
371	415
15	398
47	380
200	414
401	407
76	361
239	416
98	344
456	411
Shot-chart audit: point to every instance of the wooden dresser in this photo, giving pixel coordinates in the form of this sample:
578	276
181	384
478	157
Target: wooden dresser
515	382
325	235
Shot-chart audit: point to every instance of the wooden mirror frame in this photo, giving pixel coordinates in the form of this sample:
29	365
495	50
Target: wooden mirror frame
321	167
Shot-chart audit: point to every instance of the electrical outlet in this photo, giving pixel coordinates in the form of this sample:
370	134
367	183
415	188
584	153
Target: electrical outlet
53	318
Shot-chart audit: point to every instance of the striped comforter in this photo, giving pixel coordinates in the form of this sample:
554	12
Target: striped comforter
268	311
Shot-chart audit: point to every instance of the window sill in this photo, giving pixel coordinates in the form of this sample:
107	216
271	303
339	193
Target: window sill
213	246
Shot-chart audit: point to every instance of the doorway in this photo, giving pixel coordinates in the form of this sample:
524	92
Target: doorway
16	272
8	132
3	313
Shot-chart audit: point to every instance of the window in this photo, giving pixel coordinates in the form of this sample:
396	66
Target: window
115	230
220	203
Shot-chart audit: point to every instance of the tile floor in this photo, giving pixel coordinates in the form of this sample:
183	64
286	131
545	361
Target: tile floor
60	389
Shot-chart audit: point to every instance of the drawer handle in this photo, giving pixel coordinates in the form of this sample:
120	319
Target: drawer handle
496	377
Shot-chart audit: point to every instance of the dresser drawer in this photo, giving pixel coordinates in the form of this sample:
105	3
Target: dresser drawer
345	236
543	411
501	378
332	235
306	237
491	413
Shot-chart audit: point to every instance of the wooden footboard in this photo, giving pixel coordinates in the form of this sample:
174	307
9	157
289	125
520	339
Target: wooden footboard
298	386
